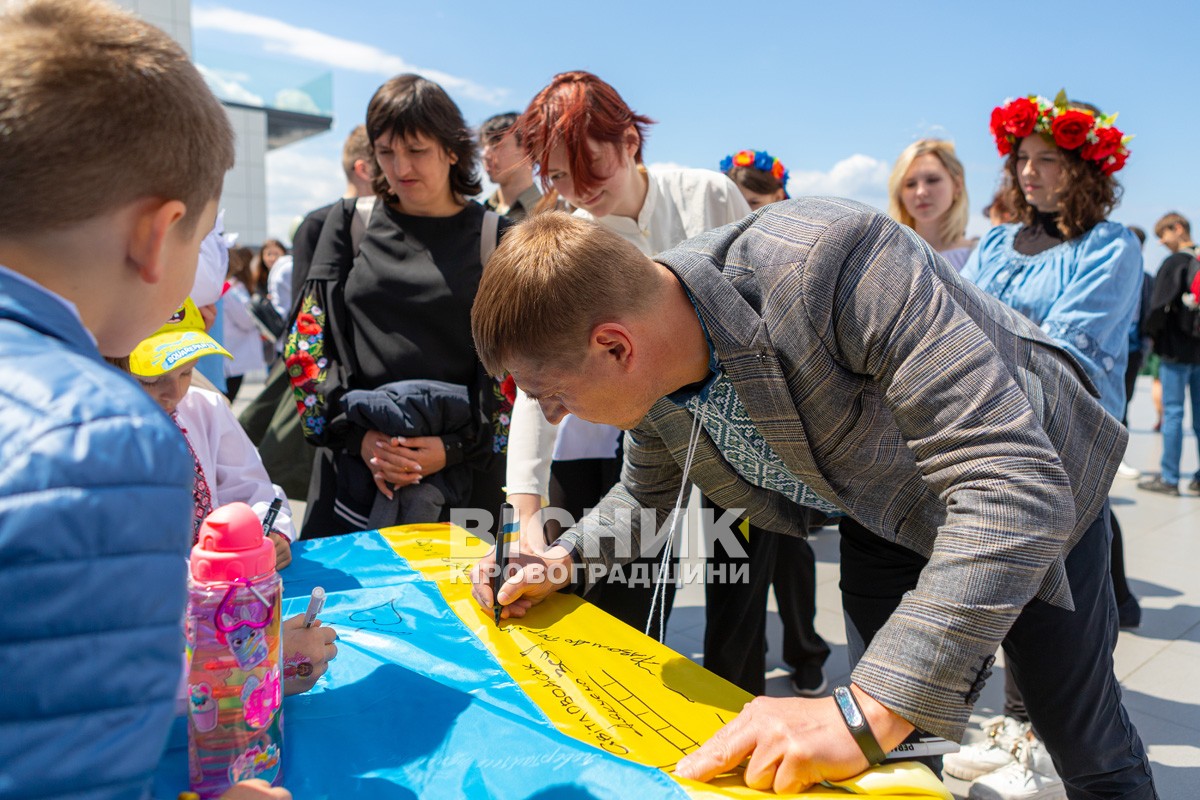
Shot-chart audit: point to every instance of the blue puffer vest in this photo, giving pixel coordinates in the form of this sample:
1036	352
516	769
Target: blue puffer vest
95	499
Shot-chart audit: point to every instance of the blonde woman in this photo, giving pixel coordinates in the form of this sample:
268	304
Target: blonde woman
927	191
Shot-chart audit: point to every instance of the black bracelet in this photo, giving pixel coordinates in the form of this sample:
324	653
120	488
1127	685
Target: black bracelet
860	729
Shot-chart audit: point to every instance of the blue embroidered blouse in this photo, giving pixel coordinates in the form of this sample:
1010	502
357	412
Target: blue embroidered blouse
1083	293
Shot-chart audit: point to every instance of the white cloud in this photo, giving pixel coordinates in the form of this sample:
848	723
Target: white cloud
228	85
299	180
858	177
295	100
312	45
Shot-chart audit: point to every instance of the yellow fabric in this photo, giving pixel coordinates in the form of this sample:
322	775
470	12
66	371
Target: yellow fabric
605	683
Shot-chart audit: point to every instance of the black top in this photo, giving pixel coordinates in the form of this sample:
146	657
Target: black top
1174	327
304	244
409	296
1039	236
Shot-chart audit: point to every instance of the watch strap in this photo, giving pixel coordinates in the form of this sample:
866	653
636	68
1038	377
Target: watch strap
857	723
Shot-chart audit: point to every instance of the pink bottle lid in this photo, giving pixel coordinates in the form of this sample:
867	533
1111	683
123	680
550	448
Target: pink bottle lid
232	546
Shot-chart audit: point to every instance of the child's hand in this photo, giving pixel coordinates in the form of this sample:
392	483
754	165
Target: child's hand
306	653
283	549
256	789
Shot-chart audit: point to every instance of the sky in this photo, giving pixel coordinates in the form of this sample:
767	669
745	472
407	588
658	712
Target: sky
834	89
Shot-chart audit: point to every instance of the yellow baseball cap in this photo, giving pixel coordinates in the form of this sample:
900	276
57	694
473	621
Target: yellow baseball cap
180	341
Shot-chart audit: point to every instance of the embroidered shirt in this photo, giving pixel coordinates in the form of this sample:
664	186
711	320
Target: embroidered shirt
737	437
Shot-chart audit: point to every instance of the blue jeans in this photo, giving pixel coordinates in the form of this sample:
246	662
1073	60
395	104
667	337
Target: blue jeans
1177	379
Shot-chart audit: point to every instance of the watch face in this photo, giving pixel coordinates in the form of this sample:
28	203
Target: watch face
849	708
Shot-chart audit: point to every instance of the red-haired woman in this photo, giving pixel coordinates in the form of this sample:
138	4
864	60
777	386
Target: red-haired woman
588	146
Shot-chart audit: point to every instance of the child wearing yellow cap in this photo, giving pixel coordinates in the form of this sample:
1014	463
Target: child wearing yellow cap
227	467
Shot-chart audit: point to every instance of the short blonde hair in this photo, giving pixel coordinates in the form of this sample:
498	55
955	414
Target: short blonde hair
99	109
553	278
953	225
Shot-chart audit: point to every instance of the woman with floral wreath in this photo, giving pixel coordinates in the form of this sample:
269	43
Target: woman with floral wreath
388	300
1078	276
927	191
587	144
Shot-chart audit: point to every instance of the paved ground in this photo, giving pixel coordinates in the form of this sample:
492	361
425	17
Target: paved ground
1158	665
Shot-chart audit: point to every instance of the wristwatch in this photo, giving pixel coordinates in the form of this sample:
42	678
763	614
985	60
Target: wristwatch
860	729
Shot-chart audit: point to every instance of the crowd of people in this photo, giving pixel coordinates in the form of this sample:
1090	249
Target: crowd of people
591	339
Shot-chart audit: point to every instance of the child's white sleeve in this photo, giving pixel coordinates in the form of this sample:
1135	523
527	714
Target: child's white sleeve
241	476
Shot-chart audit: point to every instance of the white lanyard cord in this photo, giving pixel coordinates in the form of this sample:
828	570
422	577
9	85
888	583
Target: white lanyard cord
658	600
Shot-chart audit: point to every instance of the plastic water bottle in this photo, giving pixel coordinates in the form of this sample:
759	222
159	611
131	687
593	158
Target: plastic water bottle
235	683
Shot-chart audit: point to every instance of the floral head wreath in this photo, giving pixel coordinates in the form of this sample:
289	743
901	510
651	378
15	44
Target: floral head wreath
760	160
1094	135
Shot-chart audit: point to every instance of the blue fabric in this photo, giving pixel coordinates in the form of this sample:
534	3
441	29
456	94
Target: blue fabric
95	508
1177	380
1084	294
213	367
414	705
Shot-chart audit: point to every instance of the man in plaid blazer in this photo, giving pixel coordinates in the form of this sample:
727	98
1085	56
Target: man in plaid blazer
817	354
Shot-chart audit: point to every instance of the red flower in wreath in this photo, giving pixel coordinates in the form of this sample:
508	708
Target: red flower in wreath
306	324
744	158
998	132
508	387
1115	162
1070	128
302	368
1020	117
1108	142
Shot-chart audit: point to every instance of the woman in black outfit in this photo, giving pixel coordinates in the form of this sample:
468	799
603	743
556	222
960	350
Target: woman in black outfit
388	299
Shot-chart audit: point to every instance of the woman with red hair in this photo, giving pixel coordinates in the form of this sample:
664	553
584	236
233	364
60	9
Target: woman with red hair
588	145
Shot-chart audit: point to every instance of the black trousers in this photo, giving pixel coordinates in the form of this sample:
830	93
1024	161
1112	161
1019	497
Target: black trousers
1060	660
735	630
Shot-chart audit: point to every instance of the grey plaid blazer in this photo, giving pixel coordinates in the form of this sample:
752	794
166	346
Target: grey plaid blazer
931	413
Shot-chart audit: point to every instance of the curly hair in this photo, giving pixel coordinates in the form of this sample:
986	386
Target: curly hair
1089	195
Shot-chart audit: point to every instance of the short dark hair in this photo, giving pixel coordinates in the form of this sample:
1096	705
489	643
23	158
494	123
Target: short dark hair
1137	231
95	99
409	104
1168	220
496	126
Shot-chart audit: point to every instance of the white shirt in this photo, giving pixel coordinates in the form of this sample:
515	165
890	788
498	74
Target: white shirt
680	204
279	285
241	334
231	465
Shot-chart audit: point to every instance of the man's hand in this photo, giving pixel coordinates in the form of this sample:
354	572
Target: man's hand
527	508
531	578
793	743
283	549
390	463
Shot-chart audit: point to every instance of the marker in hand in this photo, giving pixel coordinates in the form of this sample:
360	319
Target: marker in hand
507	525
315	603
272	513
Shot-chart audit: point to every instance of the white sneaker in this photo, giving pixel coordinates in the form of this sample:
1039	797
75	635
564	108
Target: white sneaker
1128	472
989	755
1030	777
